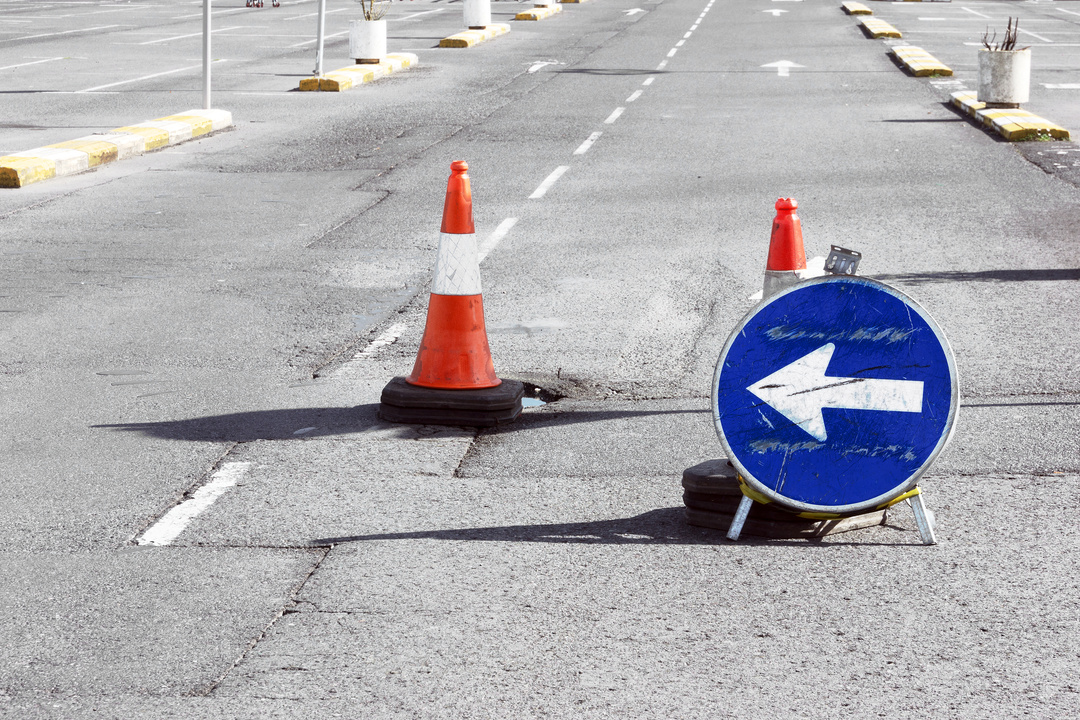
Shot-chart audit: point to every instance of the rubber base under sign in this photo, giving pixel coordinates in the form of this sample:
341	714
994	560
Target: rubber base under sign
484	407
712	495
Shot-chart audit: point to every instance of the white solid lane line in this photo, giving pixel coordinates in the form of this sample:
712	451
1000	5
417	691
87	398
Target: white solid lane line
65	32
174	522
415	15
1037	37
548	182
213	13
35	62
315	39
144	77
198	34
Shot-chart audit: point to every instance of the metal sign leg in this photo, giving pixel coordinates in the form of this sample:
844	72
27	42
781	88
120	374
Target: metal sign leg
924	518
735	529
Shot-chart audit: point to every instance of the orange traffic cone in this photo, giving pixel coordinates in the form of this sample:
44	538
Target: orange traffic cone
787	257
453	381
454	354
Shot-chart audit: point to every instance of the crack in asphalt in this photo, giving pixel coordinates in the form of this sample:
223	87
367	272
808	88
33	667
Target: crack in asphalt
291	602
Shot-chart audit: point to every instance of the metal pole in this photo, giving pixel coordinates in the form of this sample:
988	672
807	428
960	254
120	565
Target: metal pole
322	34
206	54
735	529
924	520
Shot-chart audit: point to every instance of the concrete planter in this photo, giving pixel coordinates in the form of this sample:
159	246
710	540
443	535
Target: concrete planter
477	13
1004	77
367	41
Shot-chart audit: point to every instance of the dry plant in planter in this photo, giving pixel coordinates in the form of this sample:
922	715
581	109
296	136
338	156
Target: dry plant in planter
1004	71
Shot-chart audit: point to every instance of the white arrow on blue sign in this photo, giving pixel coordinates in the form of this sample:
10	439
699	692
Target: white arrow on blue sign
835	395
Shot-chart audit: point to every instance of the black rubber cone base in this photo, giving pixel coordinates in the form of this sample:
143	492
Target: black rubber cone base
485	407
711	494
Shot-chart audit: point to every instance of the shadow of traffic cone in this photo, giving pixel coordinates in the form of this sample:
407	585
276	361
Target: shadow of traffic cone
453	381
787	256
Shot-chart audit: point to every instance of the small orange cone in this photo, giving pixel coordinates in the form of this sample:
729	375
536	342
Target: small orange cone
786	253
453	381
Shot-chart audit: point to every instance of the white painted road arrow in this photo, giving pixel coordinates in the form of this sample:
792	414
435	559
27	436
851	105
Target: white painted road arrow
633	11
800	390
775	13
783	67
542	64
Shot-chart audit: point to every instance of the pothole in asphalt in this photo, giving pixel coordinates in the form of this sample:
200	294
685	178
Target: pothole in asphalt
536	395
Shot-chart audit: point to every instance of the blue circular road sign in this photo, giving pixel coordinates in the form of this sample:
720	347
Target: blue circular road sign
835	395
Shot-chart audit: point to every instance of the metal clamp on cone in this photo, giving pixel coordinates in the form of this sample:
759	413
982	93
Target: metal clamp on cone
453	381
787	256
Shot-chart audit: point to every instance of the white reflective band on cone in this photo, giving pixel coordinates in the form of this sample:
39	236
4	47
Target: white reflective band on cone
457	268
777	280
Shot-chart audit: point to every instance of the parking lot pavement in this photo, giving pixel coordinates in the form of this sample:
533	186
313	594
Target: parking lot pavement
953	33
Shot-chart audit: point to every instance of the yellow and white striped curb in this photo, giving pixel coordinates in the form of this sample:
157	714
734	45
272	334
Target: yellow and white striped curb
468	38
75	156
1012	124
967	100
540	12
919	62
856	8
876	28
347	78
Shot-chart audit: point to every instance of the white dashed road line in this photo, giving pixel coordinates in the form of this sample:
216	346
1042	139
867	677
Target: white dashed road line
548	182
495	238
389	337
174	522
584	147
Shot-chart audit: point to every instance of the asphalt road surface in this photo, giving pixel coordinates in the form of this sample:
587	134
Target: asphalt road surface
217	320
